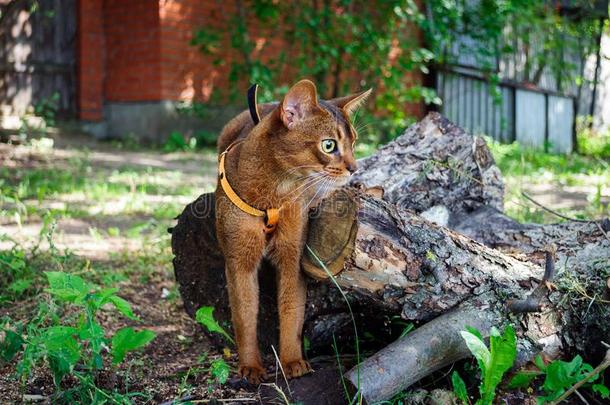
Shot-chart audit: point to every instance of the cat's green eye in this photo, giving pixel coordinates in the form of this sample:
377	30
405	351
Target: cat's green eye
329	145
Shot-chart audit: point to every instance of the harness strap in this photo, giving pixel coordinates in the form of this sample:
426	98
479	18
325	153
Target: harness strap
270	216
252	105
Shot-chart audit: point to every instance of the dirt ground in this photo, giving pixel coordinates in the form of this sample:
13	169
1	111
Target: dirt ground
161	371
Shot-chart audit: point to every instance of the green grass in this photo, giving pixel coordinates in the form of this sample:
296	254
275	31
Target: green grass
581	180
75	188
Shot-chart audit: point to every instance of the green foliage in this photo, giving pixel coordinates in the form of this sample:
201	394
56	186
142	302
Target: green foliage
19	267
177	141
343	45
591	142
493	361
220	370
205	316
559	376
10	345
72	346
40	117
525	169
523	379
409	327
459	387
126	340
496	29
601	390
47	109
32	340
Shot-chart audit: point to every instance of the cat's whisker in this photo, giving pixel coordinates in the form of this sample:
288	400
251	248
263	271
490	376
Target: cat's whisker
304	190
322	187
289	173
307	180
311	177
317	181
363	126
306	206
322	190
300	177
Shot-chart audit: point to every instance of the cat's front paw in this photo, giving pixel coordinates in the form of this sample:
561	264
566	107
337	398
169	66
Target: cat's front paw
296	368
253	374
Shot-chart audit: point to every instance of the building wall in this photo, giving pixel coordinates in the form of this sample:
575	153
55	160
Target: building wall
188	74
135	59
91	50
133	50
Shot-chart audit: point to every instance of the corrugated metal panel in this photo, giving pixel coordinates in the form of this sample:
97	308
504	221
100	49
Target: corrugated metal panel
530	118
470	103
509	113
465	51
561	119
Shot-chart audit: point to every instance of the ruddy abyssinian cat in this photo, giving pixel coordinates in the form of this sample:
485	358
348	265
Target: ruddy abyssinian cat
300	150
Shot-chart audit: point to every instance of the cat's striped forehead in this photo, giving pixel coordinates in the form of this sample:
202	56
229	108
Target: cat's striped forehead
338	115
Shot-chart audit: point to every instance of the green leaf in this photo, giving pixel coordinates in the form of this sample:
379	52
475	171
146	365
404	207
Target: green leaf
561	375
306	344
459	387
601	390
573	366
67	287
103	296
523	379
20	285
10	345
126	340
493	362
539	363
503	353
220	370
478	349
122	306
205	316
475	332
94	334
63	351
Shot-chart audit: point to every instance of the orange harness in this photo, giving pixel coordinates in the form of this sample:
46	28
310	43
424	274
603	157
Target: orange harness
270	216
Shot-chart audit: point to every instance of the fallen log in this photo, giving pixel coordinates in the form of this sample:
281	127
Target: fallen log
401	264
434	163
390	262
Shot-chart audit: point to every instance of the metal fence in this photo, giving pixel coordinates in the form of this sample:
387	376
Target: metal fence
507	111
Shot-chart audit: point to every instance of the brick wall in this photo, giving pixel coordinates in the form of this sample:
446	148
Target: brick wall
139	51
186	73
133	50
91	64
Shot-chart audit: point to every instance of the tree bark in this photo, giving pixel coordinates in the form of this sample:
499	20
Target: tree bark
434	164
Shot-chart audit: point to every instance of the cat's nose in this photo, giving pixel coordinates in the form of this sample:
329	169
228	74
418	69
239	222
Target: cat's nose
351	167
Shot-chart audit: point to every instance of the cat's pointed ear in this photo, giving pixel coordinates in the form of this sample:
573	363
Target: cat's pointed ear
300	101
350	103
